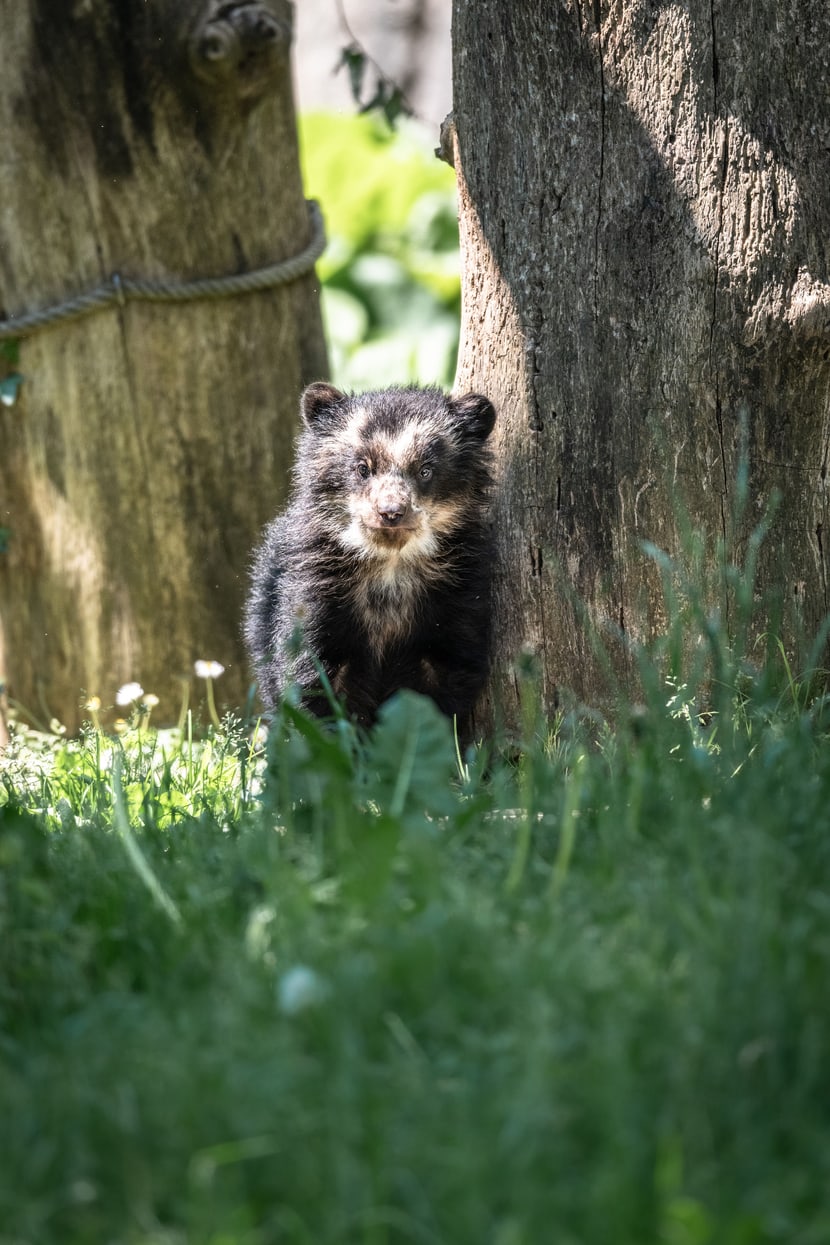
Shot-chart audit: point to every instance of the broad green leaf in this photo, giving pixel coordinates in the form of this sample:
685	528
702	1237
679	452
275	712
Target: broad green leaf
411	759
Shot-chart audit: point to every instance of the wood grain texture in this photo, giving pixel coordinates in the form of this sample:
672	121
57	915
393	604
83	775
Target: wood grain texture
149	443
646	254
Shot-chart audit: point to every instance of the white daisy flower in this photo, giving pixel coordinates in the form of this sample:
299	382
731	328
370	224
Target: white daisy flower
129	694
208	669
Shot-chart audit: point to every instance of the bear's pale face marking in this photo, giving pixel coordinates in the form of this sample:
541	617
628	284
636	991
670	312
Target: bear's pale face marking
406	447
380	505
389	545
410	536
352	436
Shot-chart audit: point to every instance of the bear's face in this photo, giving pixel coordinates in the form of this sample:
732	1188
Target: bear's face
395	471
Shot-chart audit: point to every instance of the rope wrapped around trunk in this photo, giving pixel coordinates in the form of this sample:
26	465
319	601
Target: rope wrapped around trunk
121	290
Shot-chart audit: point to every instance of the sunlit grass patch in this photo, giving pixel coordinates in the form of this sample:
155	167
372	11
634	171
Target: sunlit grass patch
165	775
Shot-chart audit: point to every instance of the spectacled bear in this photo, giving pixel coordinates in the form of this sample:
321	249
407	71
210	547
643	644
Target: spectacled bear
381	562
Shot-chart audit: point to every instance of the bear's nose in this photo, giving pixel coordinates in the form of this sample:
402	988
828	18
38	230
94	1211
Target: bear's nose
391	503
391	512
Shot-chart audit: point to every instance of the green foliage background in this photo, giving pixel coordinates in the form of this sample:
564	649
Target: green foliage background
391	288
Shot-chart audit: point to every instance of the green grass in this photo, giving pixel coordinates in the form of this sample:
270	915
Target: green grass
575	993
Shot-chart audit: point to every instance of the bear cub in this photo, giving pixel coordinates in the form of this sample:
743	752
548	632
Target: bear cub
381	561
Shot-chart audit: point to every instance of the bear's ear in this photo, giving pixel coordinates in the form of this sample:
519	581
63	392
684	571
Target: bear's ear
476	414
320	404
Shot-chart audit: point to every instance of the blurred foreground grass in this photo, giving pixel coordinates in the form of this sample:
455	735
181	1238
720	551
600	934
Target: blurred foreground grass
574	990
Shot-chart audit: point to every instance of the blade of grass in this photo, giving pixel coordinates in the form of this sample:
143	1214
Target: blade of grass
134	853
567	835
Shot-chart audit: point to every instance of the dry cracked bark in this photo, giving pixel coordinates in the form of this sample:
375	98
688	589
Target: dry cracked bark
646	254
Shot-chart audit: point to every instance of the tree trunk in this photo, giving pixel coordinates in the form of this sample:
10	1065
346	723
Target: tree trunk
645	228
149	442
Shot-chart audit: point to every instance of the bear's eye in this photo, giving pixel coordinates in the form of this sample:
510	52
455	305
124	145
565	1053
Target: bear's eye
363	470
425	472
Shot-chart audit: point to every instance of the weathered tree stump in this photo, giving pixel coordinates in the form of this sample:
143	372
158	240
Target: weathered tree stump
150	441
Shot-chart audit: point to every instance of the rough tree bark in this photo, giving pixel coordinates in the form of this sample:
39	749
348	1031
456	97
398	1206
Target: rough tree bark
149	443
645	227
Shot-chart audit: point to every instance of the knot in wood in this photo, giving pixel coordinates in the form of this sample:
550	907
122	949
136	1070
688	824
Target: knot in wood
238	48
446	140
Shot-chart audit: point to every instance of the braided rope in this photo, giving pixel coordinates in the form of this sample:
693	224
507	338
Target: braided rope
123	289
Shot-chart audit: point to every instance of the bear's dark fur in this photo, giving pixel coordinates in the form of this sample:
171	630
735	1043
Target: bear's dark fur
382	559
